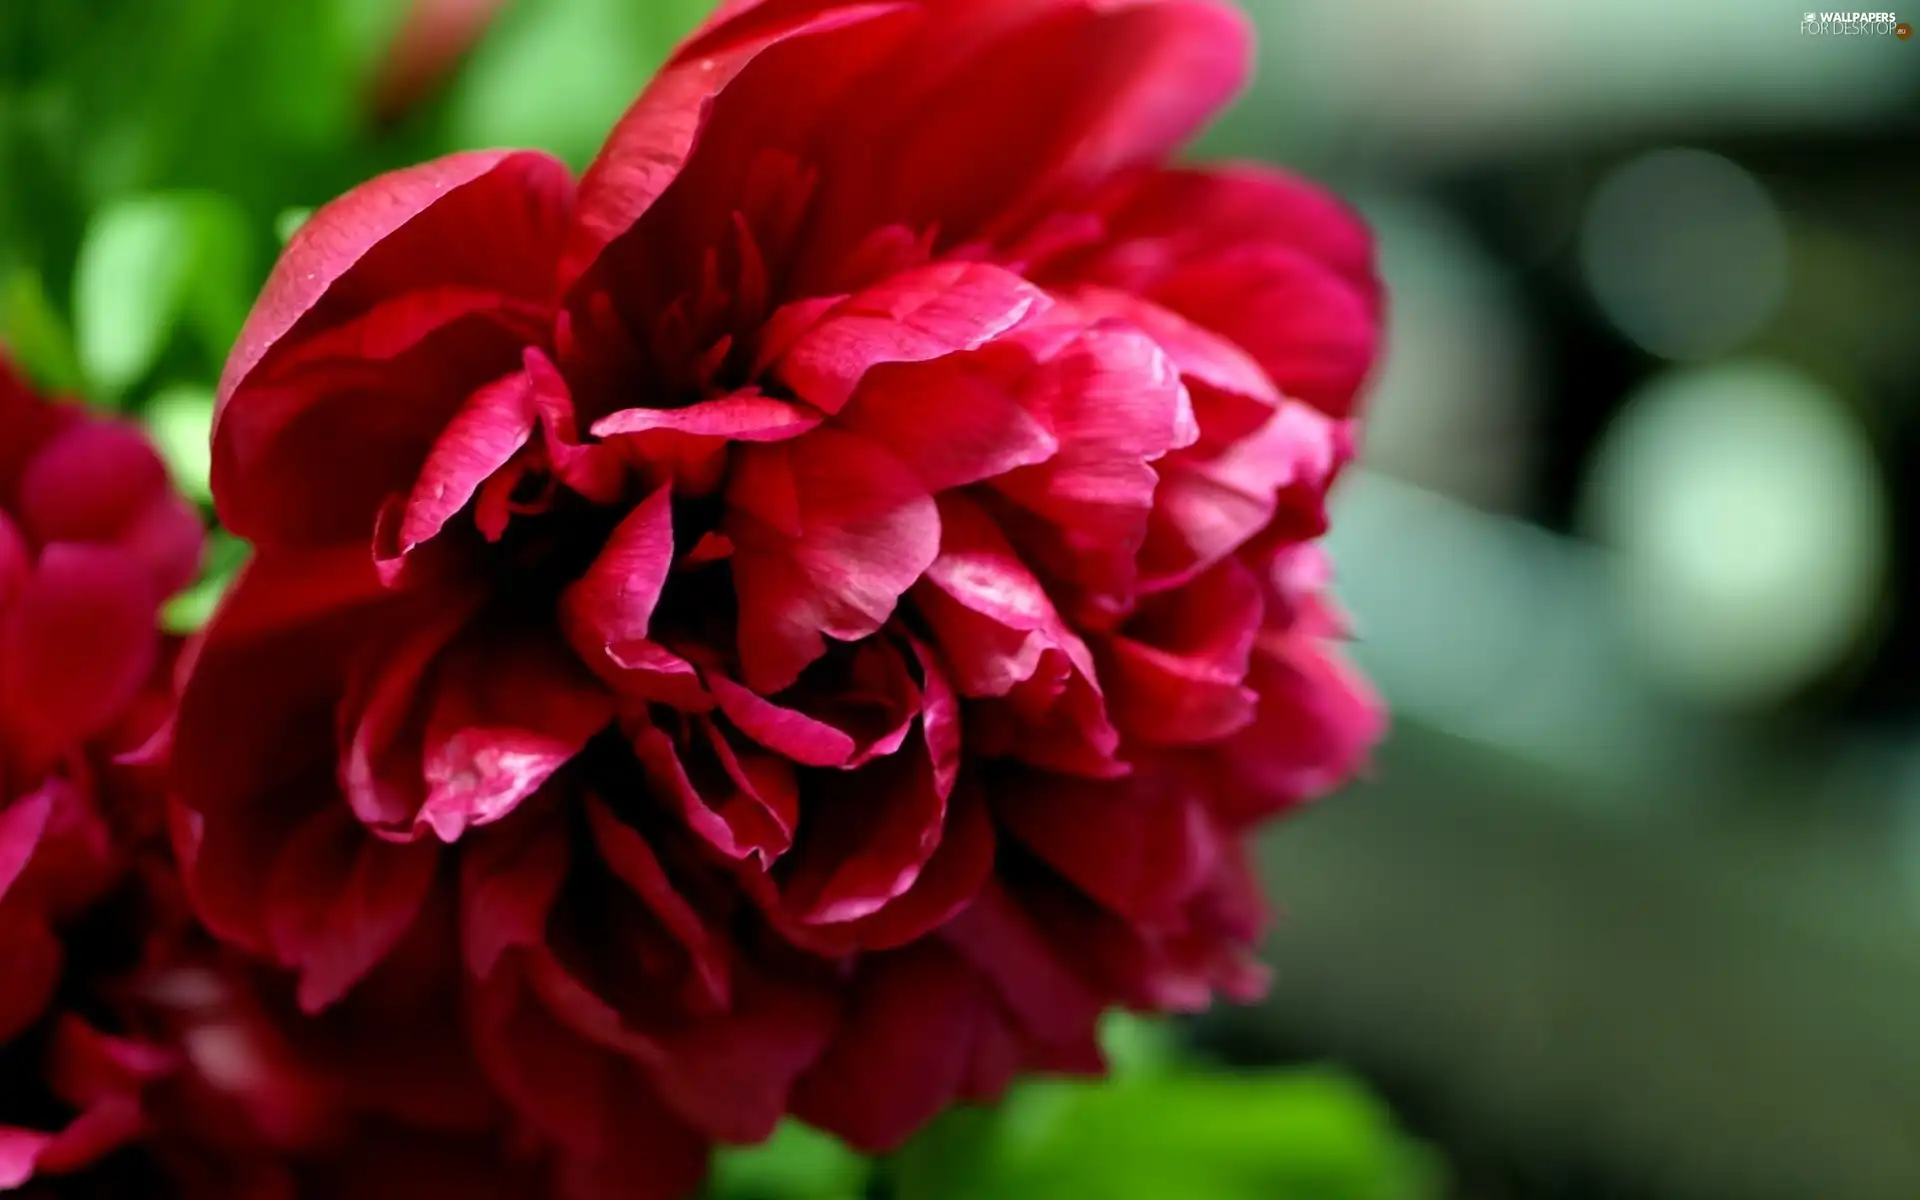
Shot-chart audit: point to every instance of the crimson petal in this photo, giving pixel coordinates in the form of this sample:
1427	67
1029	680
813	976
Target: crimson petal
828	532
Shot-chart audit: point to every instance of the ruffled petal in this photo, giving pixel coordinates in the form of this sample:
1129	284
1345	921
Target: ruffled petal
481	438
1115	403
902	1053
509	713
1002	641
743	417
31	958
954	421
509	878
1142	846
1268	261
21	825
89	483
611	606
651	144
1210	505
447	259
920	315
828	533
76	646
867	841
339	900
1315	725
1176	675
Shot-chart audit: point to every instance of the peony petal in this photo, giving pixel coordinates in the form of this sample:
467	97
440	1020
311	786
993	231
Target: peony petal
310	456
1314	333
85	1064
30	423
612	604
169	537
745	805
510	876
1209	507
1177	676
89	483
21	825
380	715
1266	260
743	417
16	560
345	256
865	845
490	428
867	690
651	144
614	1136
913	317
81	854
507	716
392	326
1162	219
657	1157
945	886
939	718
789	733
1142	846
20	1151
991	618
99	1130
1116	404
76	645
1000	637
396	261
902	1052
31	959
1232	396
633	862
995	110
953	421
1172	964
866	530
1003	943
339	900
731	1075
650	673
1316	722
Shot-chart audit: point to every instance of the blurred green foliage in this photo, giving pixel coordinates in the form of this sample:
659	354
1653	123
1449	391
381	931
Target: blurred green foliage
1161	1128
155	154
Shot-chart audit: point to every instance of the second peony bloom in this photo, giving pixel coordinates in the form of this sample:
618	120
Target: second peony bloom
812	611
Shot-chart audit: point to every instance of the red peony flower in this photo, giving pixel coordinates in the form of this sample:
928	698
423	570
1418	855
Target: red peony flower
821	603
378	1097
92	539
136	1058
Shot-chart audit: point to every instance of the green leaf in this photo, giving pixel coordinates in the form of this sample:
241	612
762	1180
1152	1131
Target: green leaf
797	1163
1309	1136
190	610
35	335
289	222
149	264
1293	1136
557	75
958	1156
1136	1045
180	420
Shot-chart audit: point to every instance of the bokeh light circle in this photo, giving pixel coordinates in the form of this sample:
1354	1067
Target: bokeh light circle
1685	252
1751	521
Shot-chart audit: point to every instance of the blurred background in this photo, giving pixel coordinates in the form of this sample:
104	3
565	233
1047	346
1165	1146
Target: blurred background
1631	905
